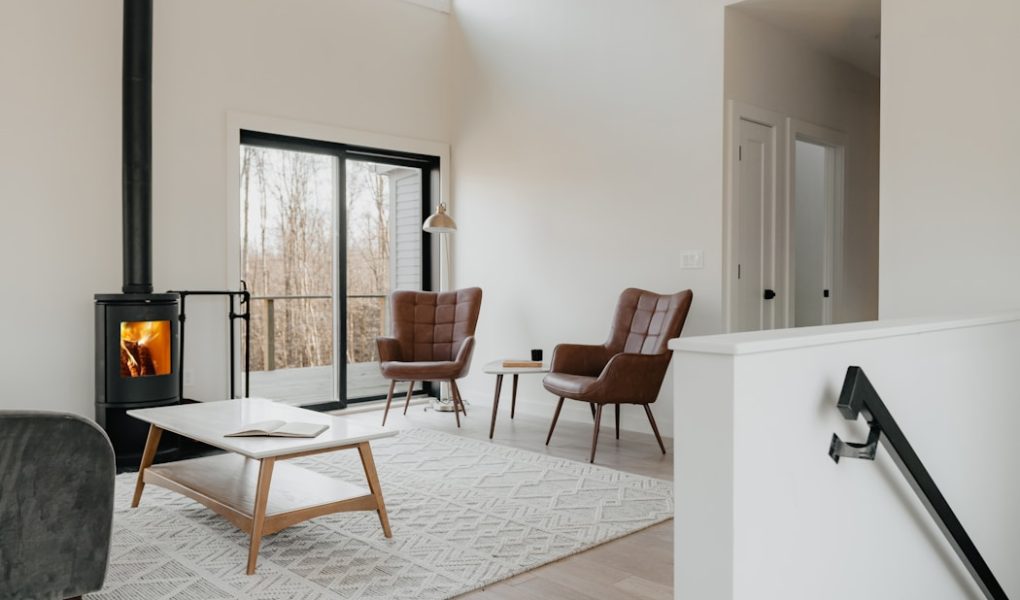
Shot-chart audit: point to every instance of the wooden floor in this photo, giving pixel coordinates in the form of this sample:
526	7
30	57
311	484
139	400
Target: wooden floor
638	566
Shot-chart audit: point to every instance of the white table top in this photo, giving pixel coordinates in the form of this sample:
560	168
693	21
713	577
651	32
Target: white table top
208	422
496	368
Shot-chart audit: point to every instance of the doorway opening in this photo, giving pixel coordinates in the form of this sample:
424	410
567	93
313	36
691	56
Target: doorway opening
328	231
801	205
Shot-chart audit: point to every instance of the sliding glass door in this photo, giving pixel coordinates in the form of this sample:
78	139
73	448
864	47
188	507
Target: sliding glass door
327	232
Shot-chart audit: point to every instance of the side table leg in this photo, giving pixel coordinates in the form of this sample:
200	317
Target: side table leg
148	456
495	404
258	518
373	485
513	398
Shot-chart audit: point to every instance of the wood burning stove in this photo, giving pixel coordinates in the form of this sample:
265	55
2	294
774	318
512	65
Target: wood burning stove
137	331
137	364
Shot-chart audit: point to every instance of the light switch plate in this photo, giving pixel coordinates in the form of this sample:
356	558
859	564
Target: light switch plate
692	259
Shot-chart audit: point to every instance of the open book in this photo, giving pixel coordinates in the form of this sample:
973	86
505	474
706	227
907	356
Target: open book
280	429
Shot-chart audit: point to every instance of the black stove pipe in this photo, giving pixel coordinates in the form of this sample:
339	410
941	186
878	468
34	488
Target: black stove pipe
137	147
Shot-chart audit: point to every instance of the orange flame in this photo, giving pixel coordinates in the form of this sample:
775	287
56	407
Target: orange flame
148	338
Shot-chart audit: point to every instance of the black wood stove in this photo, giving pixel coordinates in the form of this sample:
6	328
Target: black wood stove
137	331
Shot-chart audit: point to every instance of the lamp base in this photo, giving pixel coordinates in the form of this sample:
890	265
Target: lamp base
442	405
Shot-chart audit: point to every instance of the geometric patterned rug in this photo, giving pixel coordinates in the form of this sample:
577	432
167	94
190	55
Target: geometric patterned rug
464	514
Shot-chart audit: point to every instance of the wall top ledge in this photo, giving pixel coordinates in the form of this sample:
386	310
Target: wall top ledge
755	342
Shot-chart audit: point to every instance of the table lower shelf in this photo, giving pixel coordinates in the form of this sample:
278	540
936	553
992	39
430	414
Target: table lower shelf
226	484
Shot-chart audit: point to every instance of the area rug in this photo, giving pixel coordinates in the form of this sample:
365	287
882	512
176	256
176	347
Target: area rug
464	513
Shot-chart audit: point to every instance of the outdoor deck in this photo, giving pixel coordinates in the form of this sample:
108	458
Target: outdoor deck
312	385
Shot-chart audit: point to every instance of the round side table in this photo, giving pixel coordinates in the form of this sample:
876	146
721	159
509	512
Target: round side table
496	368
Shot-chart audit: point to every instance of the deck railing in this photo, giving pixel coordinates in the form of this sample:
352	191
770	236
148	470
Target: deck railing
271	300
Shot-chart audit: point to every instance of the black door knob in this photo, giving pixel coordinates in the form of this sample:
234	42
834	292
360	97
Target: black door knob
770	294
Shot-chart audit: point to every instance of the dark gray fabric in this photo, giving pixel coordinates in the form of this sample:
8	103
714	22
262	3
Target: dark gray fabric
56	505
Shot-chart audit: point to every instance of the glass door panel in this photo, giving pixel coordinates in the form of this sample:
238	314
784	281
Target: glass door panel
288	243
384	253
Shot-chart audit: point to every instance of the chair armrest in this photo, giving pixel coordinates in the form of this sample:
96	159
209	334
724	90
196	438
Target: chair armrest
640	375
579	359
467	348
389	349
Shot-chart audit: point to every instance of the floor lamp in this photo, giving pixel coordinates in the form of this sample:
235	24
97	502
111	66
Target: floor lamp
441	223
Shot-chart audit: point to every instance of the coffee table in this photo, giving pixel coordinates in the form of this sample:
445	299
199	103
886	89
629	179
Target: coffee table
496	368
236	485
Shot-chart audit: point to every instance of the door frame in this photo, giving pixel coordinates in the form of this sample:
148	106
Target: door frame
236	122
836	141
735	111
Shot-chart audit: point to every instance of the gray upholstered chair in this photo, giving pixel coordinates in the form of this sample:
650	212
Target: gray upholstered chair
56	505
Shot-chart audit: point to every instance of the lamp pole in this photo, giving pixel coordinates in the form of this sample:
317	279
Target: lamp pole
441	223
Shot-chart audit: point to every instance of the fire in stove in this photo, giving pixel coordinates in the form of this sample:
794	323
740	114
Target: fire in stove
144	348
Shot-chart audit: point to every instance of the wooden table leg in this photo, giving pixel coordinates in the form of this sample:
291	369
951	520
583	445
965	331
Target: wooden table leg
373	485
513	398
148	456
495	403
258	518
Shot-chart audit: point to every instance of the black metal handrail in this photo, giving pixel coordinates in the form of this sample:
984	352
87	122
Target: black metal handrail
859	397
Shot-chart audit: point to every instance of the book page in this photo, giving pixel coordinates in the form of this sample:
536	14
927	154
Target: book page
260	428
300	429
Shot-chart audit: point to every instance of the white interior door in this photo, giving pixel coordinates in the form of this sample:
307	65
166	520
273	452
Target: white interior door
816	172
754	202
813	195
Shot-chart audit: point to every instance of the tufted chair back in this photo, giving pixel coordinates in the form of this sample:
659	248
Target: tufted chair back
646	321
431	326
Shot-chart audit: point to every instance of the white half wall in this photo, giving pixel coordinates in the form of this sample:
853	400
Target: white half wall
767	67
950	210
763	512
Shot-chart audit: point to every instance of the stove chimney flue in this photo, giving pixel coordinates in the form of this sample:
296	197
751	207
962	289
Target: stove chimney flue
137	147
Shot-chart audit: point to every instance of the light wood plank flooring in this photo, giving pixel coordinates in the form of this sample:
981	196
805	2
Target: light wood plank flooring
638	566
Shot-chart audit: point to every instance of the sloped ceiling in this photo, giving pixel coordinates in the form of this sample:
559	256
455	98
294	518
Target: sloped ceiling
846	29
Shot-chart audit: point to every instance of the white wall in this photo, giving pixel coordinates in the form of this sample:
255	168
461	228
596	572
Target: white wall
769	68
765	513
950	210
375	65
59	193
571	176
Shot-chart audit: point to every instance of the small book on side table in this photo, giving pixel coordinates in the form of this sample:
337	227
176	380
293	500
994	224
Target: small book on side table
522	364
280	429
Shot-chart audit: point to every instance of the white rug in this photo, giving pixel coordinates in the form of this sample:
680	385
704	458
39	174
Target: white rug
464	514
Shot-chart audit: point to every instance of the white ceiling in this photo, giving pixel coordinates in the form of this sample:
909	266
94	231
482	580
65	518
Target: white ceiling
846	29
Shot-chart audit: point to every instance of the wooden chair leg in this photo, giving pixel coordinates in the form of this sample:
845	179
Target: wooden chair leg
617	421
456	403
651	419
556	417
595	436
460	400
389	399
410	390
592	406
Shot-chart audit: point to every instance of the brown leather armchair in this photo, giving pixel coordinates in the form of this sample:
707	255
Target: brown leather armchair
627	369
433	338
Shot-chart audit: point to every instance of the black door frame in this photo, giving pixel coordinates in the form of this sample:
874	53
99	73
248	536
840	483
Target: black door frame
430	168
